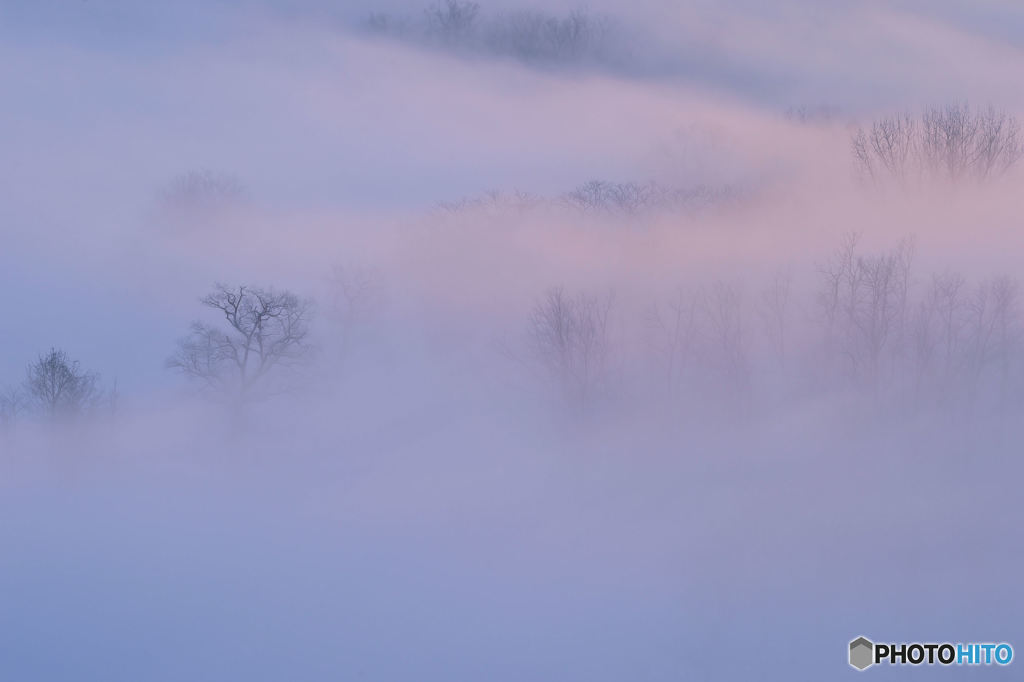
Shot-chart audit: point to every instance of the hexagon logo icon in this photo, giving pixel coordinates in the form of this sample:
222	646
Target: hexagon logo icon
862	653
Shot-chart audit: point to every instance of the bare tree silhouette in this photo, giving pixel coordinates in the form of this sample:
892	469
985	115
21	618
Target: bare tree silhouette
569	337
57	388
262	333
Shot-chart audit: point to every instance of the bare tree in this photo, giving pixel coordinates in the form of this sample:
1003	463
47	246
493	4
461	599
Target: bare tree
672	335
998	145
923	346
385	24
1006	301
880	317
947	299
775	312
937	336
532	35
947	140
203	191
356	295
890	146
452	21
57	388
569	337
724	347
864	304
836	275
964	339
992	331
816	115
13	403
262	333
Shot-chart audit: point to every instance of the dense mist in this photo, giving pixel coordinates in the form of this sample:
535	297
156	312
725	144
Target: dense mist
508	341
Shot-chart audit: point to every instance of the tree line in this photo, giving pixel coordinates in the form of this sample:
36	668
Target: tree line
951	143
605	197
528	35
870	326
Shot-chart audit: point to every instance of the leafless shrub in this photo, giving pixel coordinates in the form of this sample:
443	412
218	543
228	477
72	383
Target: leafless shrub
57	388
203	191
569	337
262	333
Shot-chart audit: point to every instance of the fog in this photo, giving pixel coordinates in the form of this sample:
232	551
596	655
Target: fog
634	341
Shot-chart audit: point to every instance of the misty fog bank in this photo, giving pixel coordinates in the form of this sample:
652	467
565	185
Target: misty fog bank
476	549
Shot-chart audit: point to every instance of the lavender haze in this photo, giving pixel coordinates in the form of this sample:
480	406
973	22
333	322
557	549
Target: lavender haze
508	341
